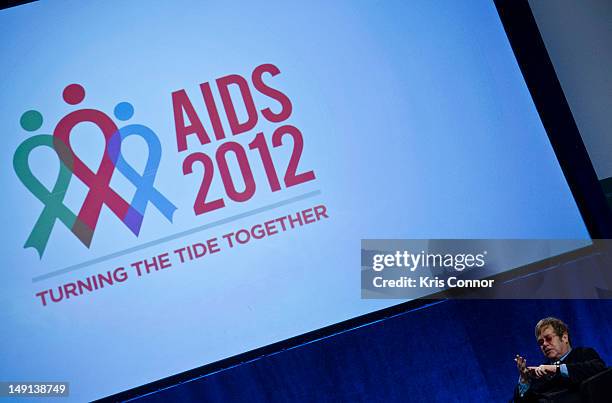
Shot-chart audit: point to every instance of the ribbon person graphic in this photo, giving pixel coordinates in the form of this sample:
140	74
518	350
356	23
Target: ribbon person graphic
100	193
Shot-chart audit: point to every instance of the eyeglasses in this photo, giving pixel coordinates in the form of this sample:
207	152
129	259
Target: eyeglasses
546	338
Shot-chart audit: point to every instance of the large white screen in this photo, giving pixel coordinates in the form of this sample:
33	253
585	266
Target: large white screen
415	121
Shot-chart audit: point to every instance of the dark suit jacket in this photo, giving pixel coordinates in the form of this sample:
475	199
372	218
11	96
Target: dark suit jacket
582	363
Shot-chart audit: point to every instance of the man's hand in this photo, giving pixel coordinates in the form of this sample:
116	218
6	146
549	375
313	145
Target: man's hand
521	365
542	370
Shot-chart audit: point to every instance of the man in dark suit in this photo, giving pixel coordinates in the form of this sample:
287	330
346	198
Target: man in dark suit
567	367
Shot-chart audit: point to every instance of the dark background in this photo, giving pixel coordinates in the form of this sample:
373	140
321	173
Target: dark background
452	351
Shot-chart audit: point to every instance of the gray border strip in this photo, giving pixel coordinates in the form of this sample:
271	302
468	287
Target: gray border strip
175	236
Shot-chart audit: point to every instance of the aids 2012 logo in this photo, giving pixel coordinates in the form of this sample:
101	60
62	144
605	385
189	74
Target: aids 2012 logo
214	161
84	223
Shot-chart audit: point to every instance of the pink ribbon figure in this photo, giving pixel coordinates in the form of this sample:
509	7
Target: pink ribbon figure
98	182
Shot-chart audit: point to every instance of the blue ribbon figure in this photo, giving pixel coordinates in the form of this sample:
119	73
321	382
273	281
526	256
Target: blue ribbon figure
145	191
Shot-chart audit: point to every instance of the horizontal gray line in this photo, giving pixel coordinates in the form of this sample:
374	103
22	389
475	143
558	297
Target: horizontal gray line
176	236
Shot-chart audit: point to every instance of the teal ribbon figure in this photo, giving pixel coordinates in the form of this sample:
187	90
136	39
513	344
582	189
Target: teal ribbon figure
52	200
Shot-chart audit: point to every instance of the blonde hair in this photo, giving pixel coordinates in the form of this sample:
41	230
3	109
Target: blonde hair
559	327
